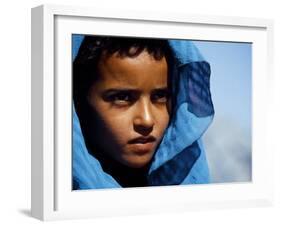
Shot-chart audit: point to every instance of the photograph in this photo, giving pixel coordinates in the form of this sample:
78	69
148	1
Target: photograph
157	112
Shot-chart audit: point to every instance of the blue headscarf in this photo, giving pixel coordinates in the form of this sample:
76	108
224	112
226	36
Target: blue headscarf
180	157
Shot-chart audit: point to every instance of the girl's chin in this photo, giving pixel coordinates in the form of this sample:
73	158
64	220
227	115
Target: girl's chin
137	162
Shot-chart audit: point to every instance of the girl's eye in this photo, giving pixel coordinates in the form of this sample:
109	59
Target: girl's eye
160	96
121	98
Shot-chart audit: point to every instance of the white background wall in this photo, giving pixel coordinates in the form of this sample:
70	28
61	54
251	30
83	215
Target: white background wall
15	113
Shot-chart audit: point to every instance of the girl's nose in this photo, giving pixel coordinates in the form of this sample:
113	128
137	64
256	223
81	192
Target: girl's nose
144	118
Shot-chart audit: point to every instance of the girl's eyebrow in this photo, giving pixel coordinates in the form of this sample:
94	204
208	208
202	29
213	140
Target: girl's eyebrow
109	92
106	94
119	90
112	90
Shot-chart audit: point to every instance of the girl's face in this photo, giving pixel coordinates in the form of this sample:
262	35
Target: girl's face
130	101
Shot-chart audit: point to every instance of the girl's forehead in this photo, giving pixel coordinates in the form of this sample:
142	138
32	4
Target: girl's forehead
143	69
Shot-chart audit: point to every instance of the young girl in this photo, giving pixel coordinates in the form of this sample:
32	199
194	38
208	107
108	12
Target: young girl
142	106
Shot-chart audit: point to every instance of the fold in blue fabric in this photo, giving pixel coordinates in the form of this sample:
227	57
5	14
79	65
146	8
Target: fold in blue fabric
180	158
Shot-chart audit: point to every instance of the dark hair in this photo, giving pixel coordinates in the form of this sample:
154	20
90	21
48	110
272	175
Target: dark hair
93	47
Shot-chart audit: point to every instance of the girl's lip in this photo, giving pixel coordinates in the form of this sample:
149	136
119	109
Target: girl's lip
142	140
142	145
142	148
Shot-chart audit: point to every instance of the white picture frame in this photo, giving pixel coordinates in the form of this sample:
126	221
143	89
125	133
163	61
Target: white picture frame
52	196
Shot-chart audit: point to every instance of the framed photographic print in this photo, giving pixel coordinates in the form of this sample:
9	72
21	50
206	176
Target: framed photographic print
137	112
